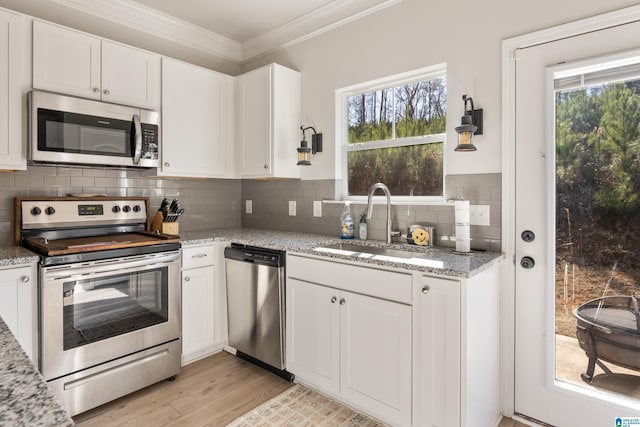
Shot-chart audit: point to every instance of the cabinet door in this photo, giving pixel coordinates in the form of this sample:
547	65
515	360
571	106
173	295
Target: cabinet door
313	334
197	312
376	356
254	123
438	351
12	86
195	105
65	61
130	76
18	305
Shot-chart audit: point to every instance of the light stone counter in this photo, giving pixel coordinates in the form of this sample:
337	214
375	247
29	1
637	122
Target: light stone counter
25	398
439	261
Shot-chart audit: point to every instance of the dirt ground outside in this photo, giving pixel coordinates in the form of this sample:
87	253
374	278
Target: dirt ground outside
594	261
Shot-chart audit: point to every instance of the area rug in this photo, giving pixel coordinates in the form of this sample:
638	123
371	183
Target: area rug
300	406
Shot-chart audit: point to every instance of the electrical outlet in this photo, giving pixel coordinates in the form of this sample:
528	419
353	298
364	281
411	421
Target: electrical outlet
479	214
248	206
292	208
317	208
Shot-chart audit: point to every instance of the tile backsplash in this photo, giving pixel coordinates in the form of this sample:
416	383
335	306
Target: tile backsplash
211	203
207	203
270	201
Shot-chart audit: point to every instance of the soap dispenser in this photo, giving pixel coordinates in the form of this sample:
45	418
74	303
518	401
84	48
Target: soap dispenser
347	226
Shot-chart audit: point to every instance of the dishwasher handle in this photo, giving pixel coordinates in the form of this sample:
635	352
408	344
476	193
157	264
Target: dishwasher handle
261	256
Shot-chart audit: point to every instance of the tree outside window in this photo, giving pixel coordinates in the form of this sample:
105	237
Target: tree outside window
395	135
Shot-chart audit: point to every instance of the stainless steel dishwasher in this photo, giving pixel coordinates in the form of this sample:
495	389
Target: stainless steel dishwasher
255	299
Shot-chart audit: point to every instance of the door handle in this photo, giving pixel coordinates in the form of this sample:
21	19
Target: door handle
138	139
527	262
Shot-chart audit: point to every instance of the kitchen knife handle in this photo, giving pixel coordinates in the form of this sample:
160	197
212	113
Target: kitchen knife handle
138	137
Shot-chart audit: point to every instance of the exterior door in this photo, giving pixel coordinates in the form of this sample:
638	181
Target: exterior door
543	390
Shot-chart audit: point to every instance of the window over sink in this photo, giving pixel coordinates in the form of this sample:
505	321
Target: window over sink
392	130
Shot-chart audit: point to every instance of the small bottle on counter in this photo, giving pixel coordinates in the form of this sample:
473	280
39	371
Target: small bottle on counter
362	228
347	226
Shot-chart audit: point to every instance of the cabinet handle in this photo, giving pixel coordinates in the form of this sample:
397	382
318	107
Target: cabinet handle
266	166
106	92
96	90
426	289
187	278
333	300
25	279
342	301
199	256
167	164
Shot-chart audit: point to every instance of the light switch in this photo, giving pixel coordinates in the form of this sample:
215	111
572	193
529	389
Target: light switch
317	208
479	214
292	208
248	206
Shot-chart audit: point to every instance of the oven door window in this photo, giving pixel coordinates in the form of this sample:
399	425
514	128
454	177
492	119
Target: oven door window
83	134
100	308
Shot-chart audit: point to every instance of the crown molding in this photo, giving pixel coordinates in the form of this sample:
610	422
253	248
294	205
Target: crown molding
321	20
137	16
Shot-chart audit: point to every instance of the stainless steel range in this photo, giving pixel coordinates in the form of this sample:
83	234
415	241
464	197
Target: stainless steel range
109	296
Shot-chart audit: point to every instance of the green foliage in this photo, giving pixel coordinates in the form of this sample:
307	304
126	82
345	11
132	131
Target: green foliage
411	170
597	151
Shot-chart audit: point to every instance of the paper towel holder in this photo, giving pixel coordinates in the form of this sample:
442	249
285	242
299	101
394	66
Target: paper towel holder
470	125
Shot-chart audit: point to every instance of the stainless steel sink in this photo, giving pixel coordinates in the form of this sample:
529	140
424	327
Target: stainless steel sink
418	257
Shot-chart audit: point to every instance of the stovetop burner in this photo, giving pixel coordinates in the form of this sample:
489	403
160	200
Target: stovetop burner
75	229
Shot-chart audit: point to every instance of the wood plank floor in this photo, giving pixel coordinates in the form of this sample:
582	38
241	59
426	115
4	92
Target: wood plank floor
210	392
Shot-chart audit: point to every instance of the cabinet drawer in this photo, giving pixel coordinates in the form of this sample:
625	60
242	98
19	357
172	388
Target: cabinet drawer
197	257
375	282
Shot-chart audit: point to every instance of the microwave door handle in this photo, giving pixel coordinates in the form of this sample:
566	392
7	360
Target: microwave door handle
138	139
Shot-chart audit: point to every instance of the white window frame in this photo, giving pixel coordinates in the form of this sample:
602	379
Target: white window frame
342	130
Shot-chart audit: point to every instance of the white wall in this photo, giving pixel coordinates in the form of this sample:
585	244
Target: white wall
465	34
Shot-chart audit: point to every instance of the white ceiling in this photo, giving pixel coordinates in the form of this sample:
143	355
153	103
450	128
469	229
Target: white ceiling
256	26
240	20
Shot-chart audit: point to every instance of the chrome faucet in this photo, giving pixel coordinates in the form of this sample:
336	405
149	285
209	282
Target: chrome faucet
386	191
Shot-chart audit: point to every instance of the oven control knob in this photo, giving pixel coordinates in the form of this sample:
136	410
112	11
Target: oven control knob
115	209
137	208
36	211
50	210
126	208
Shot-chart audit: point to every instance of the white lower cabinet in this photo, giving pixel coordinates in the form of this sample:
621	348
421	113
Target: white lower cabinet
353	346
201	322
407	348
457	345
18	288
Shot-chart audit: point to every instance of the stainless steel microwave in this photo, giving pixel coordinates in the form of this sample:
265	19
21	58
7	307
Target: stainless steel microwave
65	129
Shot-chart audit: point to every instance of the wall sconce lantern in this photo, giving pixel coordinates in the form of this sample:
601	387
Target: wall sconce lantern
470	124
304	152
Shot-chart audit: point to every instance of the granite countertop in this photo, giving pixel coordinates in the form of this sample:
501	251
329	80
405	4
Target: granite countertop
439	261
25	398
16	255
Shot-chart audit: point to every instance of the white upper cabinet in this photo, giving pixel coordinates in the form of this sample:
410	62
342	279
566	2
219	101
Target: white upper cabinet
13	84
197	121
268	122
75	63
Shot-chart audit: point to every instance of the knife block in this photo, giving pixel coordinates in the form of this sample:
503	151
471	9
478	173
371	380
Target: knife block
169	228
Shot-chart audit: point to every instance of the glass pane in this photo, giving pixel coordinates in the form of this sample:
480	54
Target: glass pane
421	108
597	242
370	116
414	170
97	309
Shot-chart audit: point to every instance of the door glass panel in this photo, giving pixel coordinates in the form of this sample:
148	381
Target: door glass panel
597	127
97	309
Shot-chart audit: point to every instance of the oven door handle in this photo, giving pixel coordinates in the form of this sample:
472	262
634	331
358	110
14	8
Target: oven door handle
113	266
